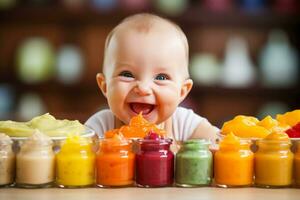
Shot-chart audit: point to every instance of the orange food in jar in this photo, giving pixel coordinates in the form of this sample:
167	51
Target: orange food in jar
115	162
297	165
274	161
233	162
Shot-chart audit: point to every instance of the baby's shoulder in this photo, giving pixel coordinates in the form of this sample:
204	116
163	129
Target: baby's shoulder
101	121
182	113
184	123
102	114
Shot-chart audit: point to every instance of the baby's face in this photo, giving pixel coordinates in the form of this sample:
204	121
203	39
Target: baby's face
145	72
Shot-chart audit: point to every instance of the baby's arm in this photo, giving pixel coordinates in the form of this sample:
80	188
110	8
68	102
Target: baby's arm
206	131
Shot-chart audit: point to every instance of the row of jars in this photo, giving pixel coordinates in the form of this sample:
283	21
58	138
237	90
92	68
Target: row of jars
116	164
77	165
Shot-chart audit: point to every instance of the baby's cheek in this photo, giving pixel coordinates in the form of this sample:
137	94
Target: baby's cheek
168	99
169	94
115	94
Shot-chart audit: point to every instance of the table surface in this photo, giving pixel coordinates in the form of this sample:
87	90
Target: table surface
170	193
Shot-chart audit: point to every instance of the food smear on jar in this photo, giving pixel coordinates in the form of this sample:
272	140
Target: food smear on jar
7	160
138	127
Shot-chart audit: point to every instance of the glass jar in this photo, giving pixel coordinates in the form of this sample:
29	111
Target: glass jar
297	164
7	161
36	162
115	163
274	161
193	164
233	163
75	163
154	163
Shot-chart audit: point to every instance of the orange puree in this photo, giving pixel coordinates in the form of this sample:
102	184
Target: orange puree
297	165
290	118
272	124
250	127
245	126
233	162
115	161
274	161
138	128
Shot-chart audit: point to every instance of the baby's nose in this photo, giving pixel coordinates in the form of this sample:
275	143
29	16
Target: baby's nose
143	88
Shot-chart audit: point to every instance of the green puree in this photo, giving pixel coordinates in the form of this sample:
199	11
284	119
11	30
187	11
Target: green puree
193	164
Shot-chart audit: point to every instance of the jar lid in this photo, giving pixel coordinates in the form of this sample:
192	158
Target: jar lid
196	144
113	142
159	141
197	141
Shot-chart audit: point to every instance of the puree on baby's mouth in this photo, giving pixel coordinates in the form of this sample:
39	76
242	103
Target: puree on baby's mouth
45	123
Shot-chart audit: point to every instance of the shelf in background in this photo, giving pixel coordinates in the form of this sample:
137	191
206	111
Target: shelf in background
239	18
250	91
192	17
53	86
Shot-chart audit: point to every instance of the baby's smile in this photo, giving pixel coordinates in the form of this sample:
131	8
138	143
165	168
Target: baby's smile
145	108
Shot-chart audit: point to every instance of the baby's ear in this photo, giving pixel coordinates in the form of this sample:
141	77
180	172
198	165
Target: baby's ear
101	83
185	88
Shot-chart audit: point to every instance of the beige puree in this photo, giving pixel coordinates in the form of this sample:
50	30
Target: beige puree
7	160
36	161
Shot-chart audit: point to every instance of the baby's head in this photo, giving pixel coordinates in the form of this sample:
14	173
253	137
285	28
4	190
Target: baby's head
145	68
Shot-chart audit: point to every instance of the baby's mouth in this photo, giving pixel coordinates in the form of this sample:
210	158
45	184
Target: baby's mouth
143	108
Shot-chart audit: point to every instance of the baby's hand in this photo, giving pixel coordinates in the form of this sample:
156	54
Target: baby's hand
213	148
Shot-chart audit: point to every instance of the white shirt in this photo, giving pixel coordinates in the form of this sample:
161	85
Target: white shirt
184	122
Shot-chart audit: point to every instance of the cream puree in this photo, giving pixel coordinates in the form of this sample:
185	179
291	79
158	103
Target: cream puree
7	160
36	161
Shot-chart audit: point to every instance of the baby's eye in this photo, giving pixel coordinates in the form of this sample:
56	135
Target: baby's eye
127	74
162	77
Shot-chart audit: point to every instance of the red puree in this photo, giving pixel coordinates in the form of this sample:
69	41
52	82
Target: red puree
294	132
155	162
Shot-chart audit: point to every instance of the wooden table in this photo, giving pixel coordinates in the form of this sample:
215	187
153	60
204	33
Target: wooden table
172	193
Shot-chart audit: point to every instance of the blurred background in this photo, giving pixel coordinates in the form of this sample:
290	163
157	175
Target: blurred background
244	55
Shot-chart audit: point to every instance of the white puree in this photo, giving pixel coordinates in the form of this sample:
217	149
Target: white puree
7	160
36	161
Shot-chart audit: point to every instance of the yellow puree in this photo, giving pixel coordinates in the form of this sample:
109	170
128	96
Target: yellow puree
75	162
274	161
233	163
45	123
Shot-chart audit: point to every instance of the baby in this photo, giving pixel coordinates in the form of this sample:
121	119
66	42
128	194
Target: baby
145	70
